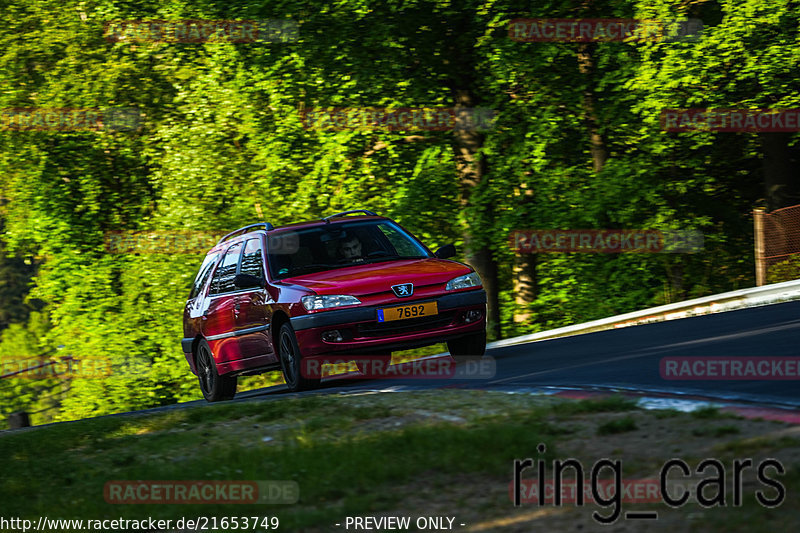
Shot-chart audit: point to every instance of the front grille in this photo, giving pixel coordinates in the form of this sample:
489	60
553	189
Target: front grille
408	325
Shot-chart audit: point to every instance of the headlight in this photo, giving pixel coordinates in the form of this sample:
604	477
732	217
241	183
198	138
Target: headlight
328	301
462	282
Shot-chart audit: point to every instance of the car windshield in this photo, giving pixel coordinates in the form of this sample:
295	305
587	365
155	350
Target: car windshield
293	252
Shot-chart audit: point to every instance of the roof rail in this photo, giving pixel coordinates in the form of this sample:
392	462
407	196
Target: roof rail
343	213
265	225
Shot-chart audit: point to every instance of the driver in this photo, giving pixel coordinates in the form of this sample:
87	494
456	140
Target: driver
350	248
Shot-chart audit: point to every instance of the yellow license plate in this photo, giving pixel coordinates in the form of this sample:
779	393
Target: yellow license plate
387	314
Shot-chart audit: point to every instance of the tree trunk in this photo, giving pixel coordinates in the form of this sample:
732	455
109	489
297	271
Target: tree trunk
597	144
525	281
525	285
471	174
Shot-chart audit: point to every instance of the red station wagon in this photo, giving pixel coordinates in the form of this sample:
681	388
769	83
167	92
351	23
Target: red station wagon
269	298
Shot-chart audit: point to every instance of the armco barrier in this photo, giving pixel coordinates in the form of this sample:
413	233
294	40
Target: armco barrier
716	303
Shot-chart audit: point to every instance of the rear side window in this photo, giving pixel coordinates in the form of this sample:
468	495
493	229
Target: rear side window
223	277
252	260
202	276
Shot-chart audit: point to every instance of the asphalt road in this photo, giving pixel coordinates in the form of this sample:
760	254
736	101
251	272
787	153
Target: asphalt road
622	359
629	358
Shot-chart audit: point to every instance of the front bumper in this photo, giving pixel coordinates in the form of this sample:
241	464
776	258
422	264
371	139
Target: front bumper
363	334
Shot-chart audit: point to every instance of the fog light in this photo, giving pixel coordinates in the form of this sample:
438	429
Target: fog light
332	336
472	316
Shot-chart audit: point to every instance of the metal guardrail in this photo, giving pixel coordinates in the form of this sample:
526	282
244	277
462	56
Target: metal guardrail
717	303
43	365
20	419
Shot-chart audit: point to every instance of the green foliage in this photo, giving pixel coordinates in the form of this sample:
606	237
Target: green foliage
784	271
222	145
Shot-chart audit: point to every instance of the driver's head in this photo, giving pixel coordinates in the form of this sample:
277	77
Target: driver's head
350	247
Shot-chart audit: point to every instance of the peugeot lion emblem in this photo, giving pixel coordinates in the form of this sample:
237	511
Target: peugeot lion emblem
403	290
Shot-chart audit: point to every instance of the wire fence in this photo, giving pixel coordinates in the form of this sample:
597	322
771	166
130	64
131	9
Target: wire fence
777	245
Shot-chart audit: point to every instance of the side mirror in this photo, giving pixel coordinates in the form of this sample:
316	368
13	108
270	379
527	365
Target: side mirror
248	281
448	250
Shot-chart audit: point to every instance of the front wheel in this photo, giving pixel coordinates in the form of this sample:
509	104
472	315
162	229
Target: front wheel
215	387
289	352
472	345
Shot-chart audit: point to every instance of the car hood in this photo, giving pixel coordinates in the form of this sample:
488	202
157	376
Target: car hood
359	280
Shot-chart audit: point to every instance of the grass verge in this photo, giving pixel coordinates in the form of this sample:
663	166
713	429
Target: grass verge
449	451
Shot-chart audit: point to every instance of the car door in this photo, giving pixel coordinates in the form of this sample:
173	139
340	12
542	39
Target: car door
219	327
252	309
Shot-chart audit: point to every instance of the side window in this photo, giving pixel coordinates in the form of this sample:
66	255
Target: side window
202	276
252	260
223	277
401	243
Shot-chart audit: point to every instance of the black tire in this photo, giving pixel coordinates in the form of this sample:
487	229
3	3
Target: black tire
385	358
290	356
215	388
472	345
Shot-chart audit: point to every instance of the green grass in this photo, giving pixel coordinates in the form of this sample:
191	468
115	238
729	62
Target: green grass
415	353
753	517
666	413
352	455
745	447
620	425
707	413
604	405
341	468
716	432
